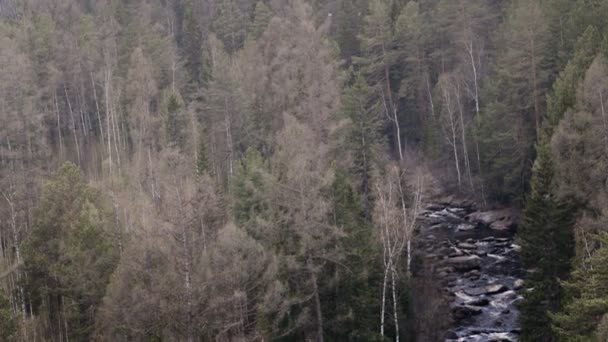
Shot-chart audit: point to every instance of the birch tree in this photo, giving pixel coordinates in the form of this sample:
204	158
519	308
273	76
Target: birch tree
395	213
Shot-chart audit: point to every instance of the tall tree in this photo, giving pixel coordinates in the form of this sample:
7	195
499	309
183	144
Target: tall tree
70	254
377	60
362	137
547	248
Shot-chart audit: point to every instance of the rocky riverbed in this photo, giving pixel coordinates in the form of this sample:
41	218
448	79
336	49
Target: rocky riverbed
475	257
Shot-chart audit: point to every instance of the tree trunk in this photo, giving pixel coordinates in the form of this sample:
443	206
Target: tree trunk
67	98
317	299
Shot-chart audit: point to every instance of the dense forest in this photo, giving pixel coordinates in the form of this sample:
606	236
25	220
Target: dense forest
252	170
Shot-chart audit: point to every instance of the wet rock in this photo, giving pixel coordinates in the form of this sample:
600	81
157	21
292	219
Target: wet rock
463	227
479	302
518	284
478	271
516	248
481	253
496	288
501	219
473	275
435	207
465	263
466	245
465	311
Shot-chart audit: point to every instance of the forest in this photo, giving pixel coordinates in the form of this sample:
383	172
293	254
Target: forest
254	170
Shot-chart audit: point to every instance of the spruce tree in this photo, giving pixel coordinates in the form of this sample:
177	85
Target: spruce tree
261	17
352	307
563	96
8	328
363	136
70	253
582	316
547	248
202	160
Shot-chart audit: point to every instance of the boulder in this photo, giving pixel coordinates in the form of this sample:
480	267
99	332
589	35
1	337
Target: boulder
518	284
463	227
434	207
465	311
500	219
495	288
479	302
466	245
465	263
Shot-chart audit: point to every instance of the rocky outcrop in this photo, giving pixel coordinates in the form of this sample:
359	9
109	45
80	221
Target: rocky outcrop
474	255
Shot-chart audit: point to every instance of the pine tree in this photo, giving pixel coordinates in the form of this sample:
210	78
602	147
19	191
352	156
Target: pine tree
174	120
191	40
587	304
249	190
352	307
363	136
261	17
230	25
563	96
547	248
70	253
8	328
378	57
349	22
202	160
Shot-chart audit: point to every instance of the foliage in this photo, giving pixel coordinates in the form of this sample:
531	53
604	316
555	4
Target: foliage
547	249
71	251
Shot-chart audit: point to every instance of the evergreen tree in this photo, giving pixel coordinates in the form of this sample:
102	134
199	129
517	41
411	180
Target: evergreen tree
563	96
349	23
377	62
587	304
174	120
70	253
202	160
261	17
8	328
192	43
547	244
363	136
230	25
249	191
351	306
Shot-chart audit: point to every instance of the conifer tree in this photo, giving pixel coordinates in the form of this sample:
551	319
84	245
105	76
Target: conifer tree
547	248
70	253
8	328
363	136
202	160
352	307
261	17
230	25
587	305
564	94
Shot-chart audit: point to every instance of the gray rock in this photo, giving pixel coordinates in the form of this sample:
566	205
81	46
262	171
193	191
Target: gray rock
465	263
466	245
465	311
518	284
495	288
463	227
501	219
479	302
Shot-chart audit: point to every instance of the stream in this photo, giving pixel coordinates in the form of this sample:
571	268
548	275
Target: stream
475	258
